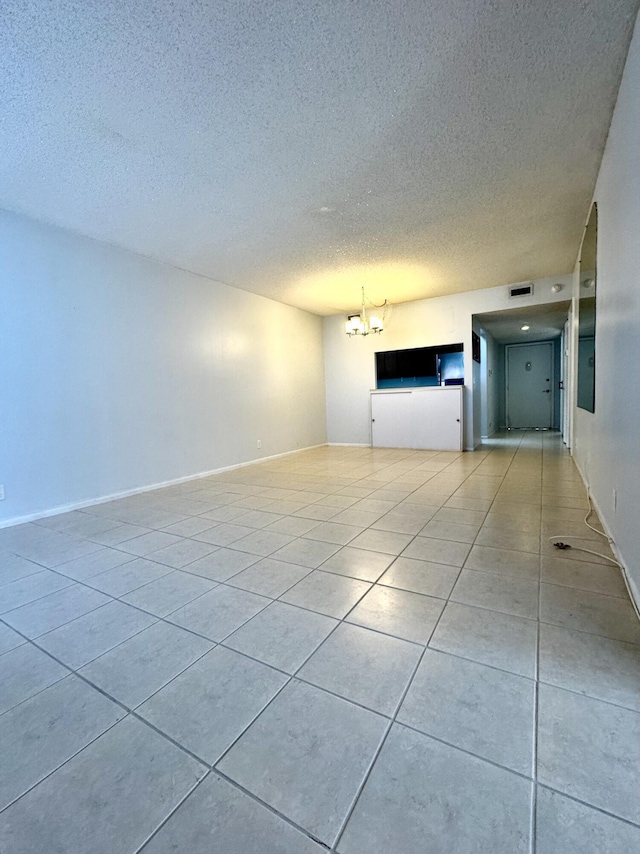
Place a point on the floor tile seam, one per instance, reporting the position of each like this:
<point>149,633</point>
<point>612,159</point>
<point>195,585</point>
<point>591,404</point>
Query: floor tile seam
<point>260,661</point>
<point>64,762</point>
<point>585,696</point>
<point>85,583</point>
<point>546,622</point>
<point>167,617</point>
<point>361,787</point>
<point>42,634</point>
<point>343,622</point>
<point>171,813</point>
<point>606,596</point>
<point>356,603</point>
<point>68,622</point>
<point>183,605</point>
<point>536,725</point>
<point>371,584</point>
<point>627,821</point>
<point>86,538</point>
<point>18,553</point>
<point>44,596</point>
<point>221,774</point>
<point>286,683</point>
<point>346,622</point>
<point>340,622</point>
<point>506,575</point>
<point>220,583</point>
<point>70,672</point>
<point>232,544</point>
<point>40,568</point>
<point>418,593</point>
<point>356,797</point>
<point>456,655</point>
<point>528,777</point>
<point>493,572</point>
<point>147,555</point>
<point>126,539</point>
<point>66,531</point>
<point>80,616</point>
<point>147,723</point>
<point>132,559</point>
<point>11,649</point>
<point>214,548</point>
<point>273,599</point>
<point>130,710</point>
<point>494,610</point>
<point>60,566</point>
<point>111,649</point>
<point>137,714</point>
<point>336,694</point>
<point>520,551</point>
<point>624,598</point>
<point>39,691</point>
<point>341,545</point>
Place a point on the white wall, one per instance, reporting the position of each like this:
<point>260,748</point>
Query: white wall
<point>117,372</point>
<point>350,362</point>
<point>495,383</point>
<point>606,443</point>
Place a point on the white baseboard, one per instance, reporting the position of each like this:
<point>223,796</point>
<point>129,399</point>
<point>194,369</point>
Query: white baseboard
<point>349,444</point>
<point>104,499</point>
<point>631,585</point>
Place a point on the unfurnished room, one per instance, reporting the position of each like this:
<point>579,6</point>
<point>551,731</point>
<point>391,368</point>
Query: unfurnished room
<point>319,406</point>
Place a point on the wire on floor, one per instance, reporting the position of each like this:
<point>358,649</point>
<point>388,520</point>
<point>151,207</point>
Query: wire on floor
<point>563,546</point>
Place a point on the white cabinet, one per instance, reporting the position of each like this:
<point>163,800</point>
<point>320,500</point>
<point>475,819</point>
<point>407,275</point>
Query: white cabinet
<point>425,418</point>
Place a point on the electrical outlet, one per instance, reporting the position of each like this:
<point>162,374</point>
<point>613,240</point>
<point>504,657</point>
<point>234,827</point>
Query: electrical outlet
<point>259,443</point>
<point>1,491</point>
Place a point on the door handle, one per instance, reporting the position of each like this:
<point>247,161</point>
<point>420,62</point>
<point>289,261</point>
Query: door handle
<point>547,391</point>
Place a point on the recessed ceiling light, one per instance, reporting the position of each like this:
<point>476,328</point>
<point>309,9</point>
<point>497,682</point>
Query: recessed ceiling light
<point>524,328</point>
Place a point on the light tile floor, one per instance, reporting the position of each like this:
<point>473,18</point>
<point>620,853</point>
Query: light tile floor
<point>345,649</point>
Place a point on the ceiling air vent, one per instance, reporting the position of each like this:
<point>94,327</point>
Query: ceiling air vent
<point>521,290</point>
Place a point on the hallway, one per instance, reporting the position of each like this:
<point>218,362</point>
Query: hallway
<point>347,649</point>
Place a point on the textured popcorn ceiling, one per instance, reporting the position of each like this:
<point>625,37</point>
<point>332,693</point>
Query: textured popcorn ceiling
<point>544,322</point>
<point>301,149</point>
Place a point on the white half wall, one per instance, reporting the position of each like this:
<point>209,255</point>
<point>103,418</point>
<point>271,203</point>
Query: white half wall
<point>117,372</point>
<point>350,362</point>
<point>606,444</point>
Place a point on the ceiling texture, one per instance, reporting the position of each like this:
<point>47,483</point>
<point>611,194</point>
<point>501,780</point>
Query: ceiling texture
<point>302,150</point>
<point>543,322</point>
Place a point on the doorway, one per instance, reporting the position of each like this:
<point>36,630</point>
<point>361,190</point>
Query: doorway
<point>529,385</point>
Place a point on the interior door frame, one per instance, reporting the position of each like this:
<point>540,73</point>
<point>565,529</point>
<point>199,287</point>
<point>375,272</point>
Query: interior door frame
<point>507,348</point>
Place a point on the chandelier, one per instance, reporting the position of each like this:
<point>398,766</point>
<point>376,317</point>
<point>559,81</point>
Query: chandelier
<point>360,324</point>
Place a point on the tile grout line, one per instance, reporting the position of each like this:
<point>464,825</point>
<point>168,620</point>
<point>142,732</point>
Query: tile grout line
<point>343,620</point>
<point>377,753</point>
<point>171,813</point>
<point>534,791</point>
<point>532,808</point>
<point>62,764</point>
